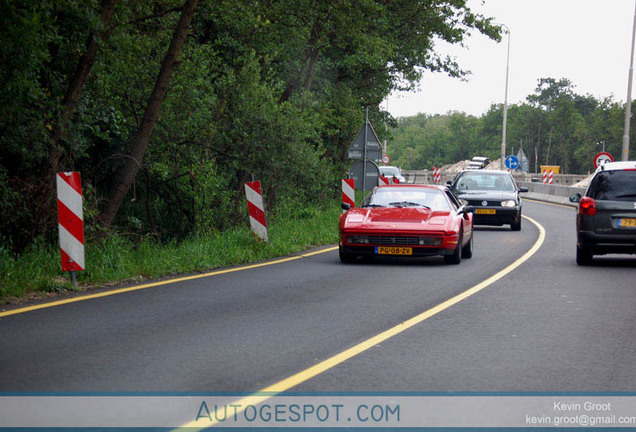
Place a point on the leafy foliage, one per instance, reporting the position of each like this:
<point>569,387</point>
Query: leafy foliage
<point>269,88</point>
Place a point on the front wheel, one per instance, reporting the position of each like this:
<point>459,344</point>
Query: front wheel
<point>456,257</point>
<point>345,257</point>
<point>516,226</point>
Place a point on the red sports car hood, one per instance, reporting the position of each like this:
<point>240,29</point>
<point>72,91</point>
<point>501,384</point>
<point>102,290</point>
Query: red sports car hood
<point>393,217</point>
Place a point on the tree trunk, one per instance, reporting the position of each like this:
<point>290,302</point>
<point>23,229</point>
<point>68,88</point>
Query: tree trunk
<point>76,85</point>
<point>140,142</point>
<point>309,63</point>
<point>311,69</point>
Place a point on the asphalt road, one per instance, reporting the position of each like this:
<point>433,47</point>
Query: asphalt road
<point>546,326</point>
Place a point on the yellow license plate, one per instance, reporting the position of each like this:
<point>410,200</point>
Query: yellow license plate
<point>627,222</point>
<point>392,250</point>
<point>485,211</point>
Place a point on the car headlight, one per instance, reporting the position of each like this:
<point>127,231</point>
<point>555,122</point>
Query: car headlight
<point>358,239</point>
<point>508,203</point>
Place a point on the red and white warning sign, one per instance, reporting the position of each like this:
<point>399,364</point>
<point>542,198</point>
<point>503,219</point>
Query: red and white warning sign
<point>256,209</point>
<point>383,181</point>
<point>71,220</point>
<point>349,192</point>
<point>437,175</point>
<point>548,177</point>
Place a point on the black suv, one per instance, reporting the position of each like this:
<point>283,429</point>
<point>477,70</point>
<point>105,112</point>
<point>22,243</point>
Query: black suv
<point>606,217</point>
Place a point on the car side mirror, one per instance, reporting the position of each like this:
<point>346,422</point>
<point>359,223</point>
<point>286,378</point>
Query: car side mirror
<point>523,189</point>
<point>575,198</point>
<point>346,206</point>
<point>467,209</point>
<point>449,182</point>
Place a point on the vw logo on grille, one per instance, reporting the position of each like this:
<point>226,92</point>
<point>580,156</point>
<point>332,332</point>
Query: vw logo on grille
<point>484,203</point>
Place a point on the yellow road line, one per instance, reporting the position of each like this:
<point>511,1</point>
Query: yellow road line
<point>155,284</point>
<point>345,355</point>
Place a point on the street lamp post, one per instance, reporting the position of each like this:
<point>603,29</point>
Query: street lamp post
<point>505,110</point>
<point>628,103</point>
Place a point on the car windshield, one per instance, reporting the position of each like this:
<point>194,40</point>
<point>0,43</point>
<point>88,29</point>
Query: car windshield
<point>389,171</point>
<point>484,181</point>
<point>407,197</point>
<point>614,186</point>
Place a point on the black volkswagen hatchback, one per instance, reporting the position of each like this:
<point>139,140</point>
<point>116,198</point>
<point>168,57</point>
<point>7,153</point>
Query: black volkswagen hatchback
<point>606,217</point>
<point>494,194</point>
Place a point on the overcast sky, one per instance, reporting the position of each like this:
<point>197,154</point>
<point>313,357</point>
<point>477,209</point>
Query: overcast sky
<point>586,41</point>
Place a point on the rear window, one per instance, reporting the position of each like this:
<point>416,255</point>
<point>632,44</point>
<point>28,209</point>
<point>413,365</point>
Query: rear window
<point>613,186</point>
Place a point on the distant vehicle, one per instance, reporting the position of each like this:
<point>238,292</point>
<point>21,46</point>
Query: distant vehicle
<point>606,217</point>
<point>493,194</point>
<point>407,221</point>
<point>392,171</point>
<point>478,162</point>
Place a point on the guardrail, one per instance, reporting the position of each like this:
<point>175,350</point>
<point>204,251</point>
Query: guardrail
<point>426,177</point>
<point>559,192</point>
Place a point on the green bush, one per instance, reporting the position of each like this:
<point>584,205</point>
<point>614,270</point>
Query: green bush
<point>120,259</point>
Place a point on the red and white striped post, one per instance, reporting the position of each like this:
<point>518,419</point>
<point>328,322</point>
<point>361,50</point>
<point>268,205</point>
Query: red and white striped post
<point>545,177</point>
<point>383,181</point>
<point>550,177</point>
<point>256,209</point>
<point>437,175</point>
<point>70,222</point>
<point>349,192</point>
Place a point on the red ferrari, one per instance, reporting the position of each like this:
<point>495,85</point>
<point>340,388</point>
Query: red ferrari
<point>407,220</point>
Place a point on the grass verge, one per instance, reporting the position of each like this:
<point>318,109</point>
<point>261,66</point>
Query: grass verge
<point>116,259</point>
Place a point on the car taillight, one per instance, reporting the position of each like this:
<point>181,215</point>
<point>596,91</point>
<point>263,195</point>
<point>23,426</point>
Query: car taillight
<point>587,206</point>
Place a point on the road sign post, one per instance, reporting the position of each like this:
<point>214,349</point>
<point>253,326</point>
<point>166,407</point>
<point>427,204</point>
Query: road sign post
<point>364,169</point>
<point>601,158</point>
<point>512,162</point>
<point>366,146</point>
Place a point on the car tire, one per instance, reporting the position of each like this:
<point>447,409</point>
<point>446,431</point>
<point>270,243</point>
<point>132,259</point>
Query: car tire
<point>467,251</point>
<point>516,226</point>
<point>345,257</point>
<point>584,256</point>
<point>456,257</point>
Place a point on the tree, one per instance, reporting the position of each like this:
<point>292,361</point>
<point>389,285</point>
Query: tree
<point>140,142</point>
<point>270,88</point>
<point>77,82</point>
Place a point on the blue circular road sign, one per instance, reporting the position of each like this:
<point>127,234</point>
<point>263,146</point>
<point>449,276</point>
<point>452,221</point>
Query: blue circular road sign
<point>512,162</point>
